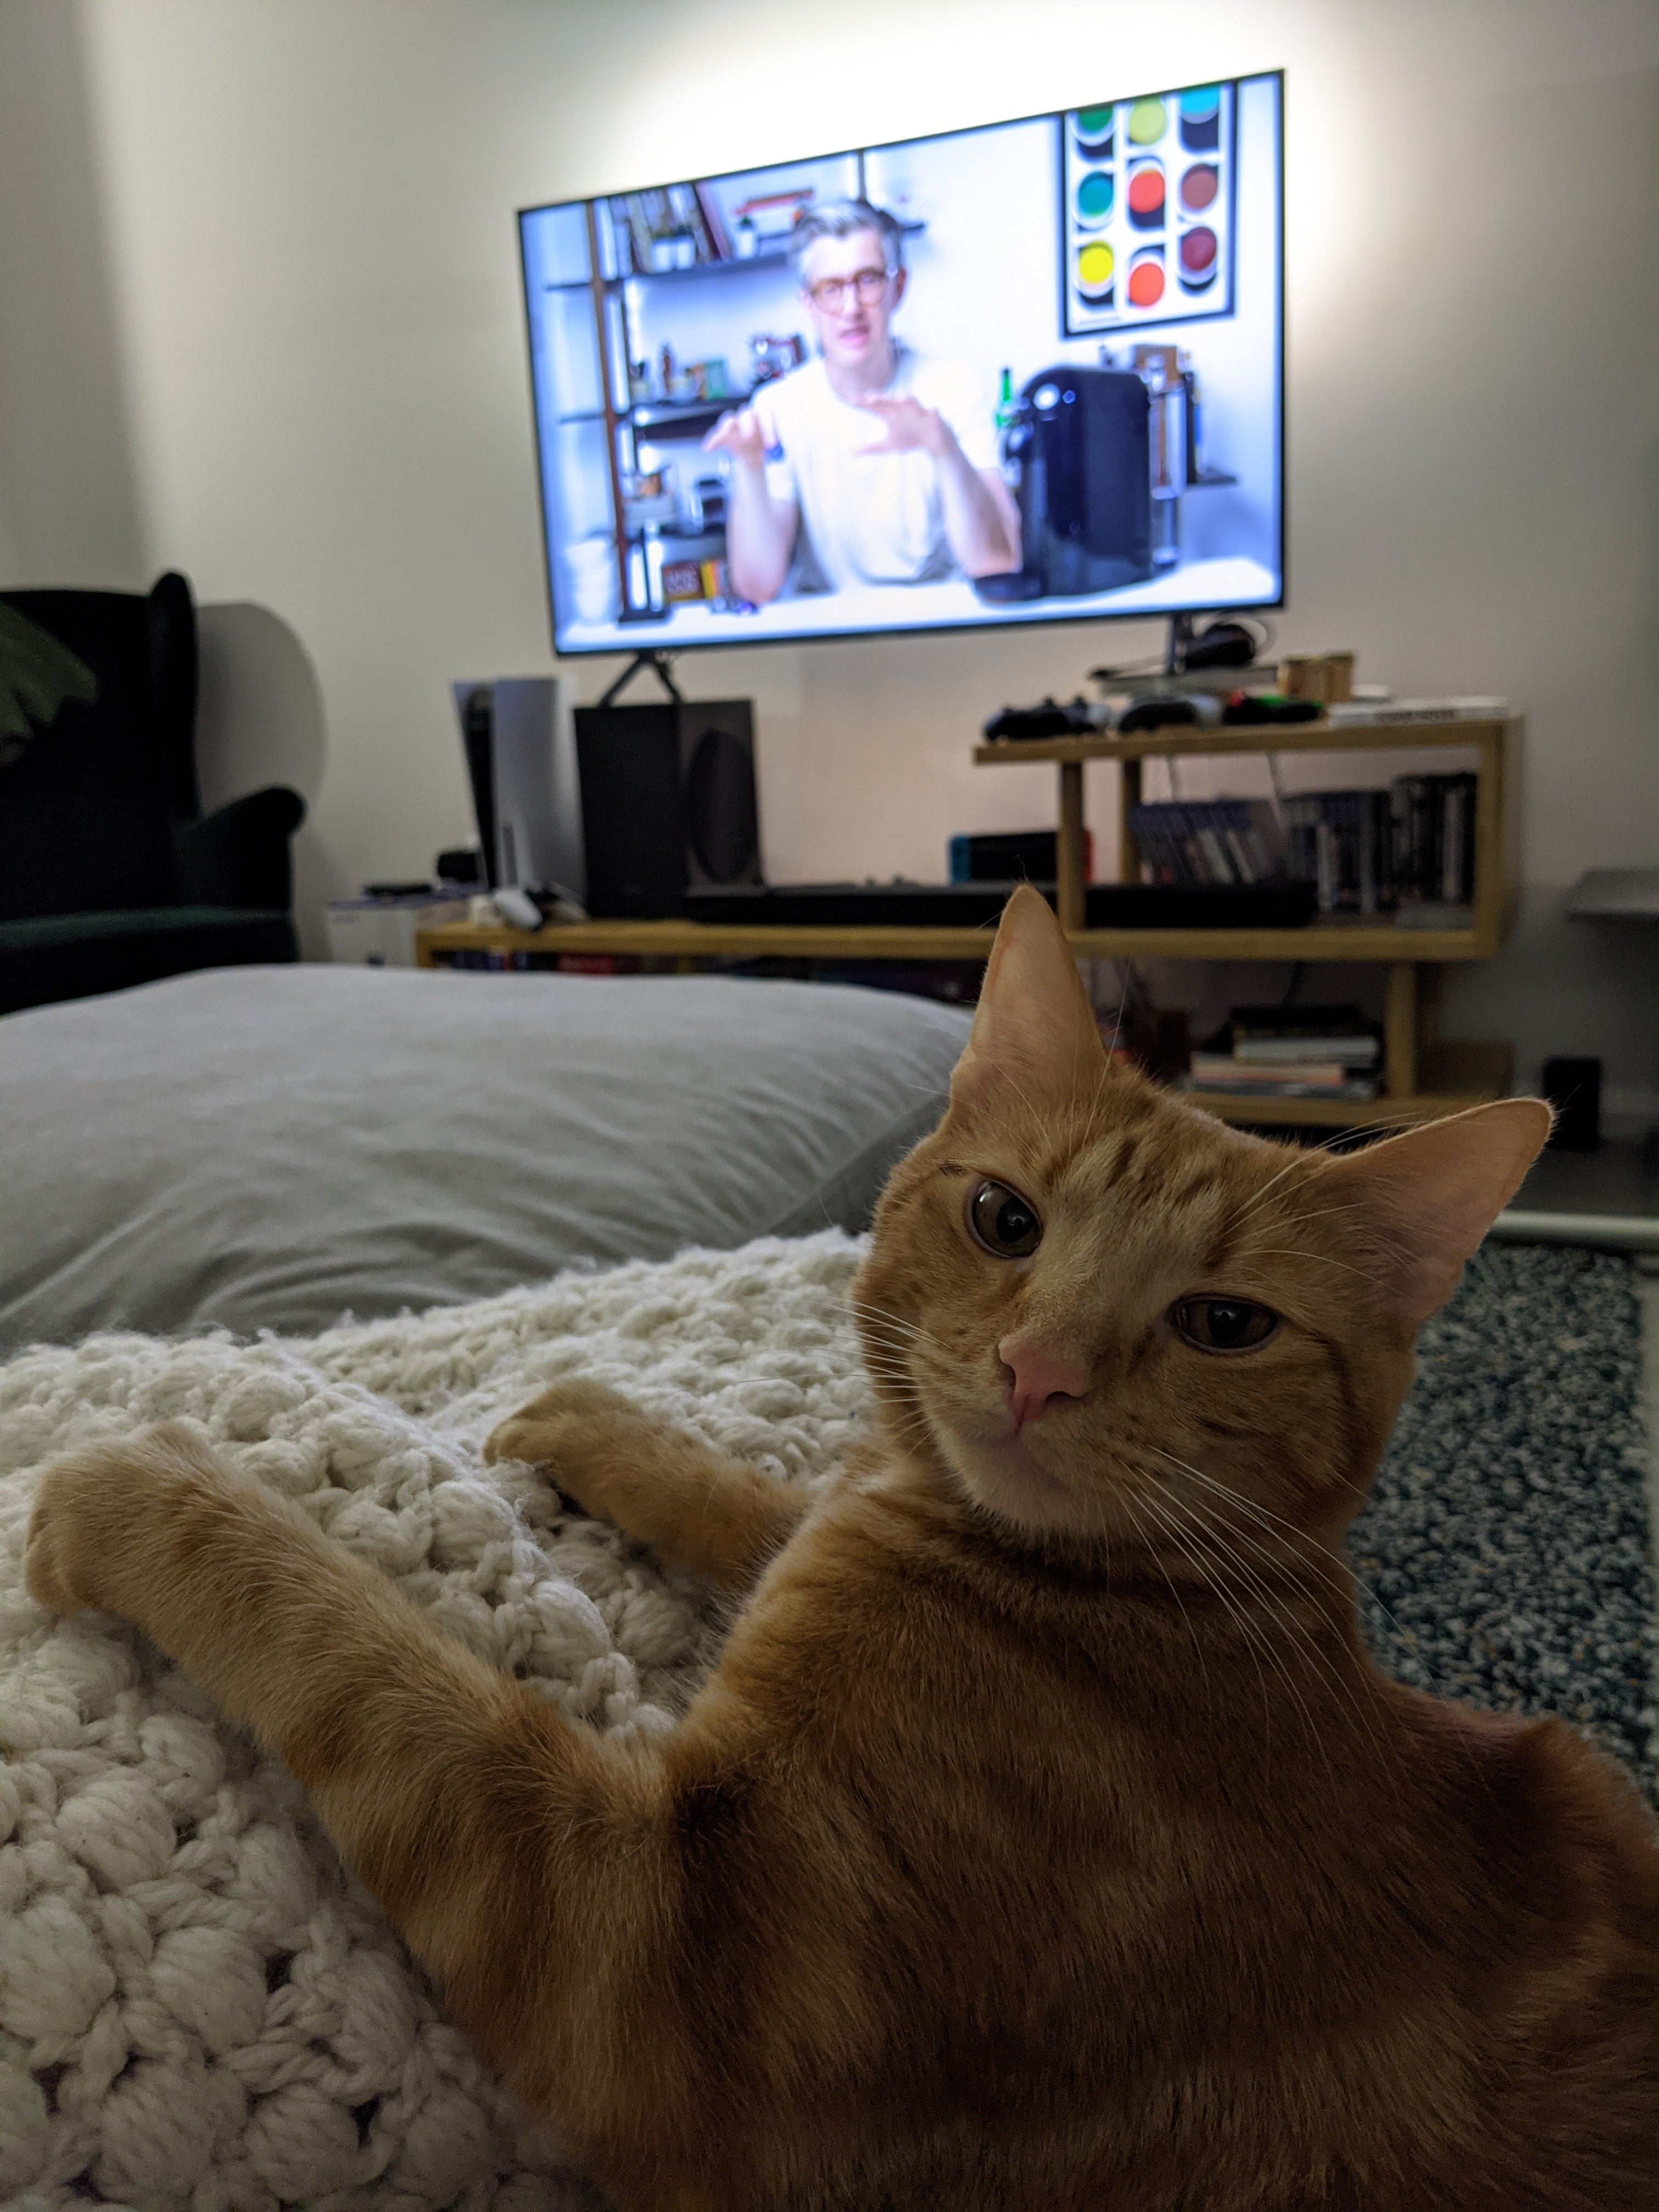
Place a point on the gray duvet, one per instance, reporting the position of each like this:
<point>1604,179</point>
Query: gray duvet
<point>274,1148</point>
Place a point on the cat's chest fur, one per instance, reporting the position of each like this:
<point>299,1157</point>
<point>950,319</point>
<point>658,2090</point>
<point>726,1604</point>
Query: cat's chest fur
<point>1052,1758</point>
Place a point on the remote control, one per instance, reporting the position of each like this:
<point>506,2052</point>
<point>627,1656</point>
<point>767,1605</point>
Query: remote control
<point>517,907</point>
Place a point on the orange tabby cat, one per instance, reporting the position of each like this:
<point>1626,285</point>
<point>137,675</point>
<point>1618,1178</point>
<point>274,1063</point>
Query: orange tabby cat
<point>1044,1838</point>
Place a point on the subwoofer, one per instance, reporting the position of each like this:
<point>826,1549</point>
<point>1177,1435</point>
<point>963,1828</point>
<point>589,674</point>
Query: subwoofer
<point>668,801</point>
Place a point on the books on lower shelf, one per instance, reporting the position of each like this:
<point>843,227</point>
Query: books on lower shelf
<point>1263,1083</point>
<point>1290,1052</point>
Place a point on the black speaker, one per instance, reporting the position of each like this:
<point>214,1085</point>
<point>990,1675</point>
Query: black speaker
<point>668,800</point>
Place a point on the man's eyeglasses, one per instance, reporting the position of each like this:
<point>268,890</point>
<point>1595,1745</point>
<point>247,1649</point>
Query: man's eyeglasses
<point>869,284</point>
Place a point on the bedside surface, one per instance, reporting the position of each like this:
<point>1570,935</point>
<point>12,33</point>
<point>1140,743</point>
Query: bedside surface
<point>1615,895</point>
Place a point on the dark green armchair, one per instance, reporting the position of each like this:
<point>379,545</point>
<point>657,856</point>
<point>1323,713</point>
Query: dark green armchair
<point>110,874</point>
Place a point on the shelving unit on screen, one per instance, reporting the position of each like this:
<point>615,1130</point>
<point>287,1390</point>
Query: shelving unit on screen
<point>1148,191</point>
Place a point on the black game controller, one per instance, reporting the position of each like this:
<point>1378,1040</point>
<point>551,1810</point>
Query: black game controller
<point>1252,709</point>
<point>1156,715</point>
<point>1047,720</point>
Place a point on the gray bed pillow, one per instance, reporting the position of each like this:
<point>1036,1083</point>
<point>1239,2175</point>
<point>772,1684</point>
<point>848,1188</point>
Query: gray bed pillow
<point>272,1147</point>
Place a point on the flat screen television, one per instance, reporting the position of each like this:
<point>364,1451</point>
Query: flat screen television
<point>1031,372</point>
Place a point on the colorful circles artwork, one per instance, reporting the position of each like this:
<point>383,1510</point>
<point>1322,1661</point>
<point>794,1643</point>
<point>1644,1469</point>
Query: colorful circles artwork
<point>1200,118</point>
<point>1096,128</point>
<point>1147,192</point>
<point>1200,257</point>
<point>1097,265</point>
<point>1095,198</point>
<point>1146,285</point>
<point>1146,195</point>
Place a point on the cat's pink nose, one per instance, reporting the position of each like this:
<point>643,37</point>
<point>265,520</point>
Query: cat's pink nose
<point>1038,1379</point>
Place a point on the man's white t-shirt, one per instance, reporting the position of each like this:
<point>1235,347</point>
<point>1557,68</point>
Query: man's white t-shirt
<point>869,518</point>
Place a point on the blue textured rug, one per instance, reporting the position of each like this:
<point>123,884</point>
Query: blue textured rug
<point>1508,1533</point>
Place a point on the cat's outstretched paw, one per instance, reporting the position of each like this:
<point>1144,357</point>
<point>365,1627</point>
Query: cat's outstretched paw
<point>696,1507</point>
<point>96,1512</point>
<point>575,1433</point>
<point>49,1554</point>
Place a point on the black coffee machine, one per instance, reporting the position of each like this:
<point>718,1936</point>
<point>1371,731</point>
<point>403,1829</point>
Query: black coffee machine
<point>1078,455</point>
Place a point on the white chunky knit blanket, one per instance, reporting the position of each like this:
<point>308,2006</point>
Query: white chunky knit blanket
<point>197,2008</point>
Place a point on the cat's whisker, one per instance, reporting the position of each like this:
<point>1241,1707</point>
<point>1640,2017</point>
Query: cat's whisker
<point>1313,1259</point>
<point>882,1316</point>
<point>894,1390</point>
<point>1343,1584</point>
<point>1257,1586</point>
<point>885,1333</point>
<point>1350,1579</point>
<point>899,1347</point>
<point>892,1368</point>
<point>1207,1579</point>
<point>1128,1506</point>
<point>1297,1159</point>
<point>1031,1154</point>
<point>1281,1606</point>
<point>1287,1222</point>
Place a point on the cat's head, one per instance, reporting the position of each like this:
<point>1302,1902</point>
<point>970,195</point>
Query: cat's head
<point>1090,1303</point>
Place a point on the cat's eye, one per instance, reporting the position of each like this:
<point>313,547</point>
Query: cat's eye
<point>1003,1221</point>
<point>1222,1324</point>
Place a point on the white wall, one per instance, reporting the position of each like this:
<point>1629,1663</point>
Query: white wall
<point>307,206</point>
<point>68,508</point>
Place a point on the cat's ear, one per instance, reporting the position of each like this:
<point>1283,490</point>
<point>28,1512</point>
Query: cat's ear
<point>1422,1202</point>
<point>1034,1029</point>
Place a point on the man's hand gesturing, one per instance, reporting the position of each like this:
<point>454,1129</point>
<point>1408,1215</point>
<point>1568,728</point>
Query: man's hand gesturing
<point>742,435</point>
<point>910,428</point>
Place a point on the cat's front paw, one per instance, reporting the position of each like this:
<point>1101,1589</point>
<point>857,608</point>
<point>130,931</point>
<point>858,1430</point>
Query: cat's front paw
<point>96,1511</point>
<point>573,1433</point>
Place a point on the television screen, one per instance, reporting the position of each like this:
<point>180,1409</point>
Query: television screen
<point>1025,372</point>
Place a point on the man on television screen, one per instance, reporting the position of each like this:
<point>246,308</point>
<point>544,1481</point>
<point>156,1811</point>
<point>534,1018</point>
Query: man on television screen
<point>873,465</point>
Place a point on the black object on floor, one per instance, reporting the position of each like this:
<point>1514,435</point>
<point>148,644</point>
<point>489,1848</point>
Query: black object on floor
<point>1507,1535</point>
<point>1573,1087</point>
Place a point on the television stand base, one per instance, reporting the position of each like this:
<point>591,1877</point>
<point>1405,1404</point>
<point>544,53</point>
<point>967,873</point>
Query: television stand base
<point>659,665</point>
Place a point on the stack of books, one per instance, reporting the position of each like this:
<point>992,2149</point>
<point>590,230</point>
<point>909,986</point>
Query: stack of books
<point>1408,849</point>
<point>1290,1052</point>
<point>1212,841</point>
<point>1387,852</point>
